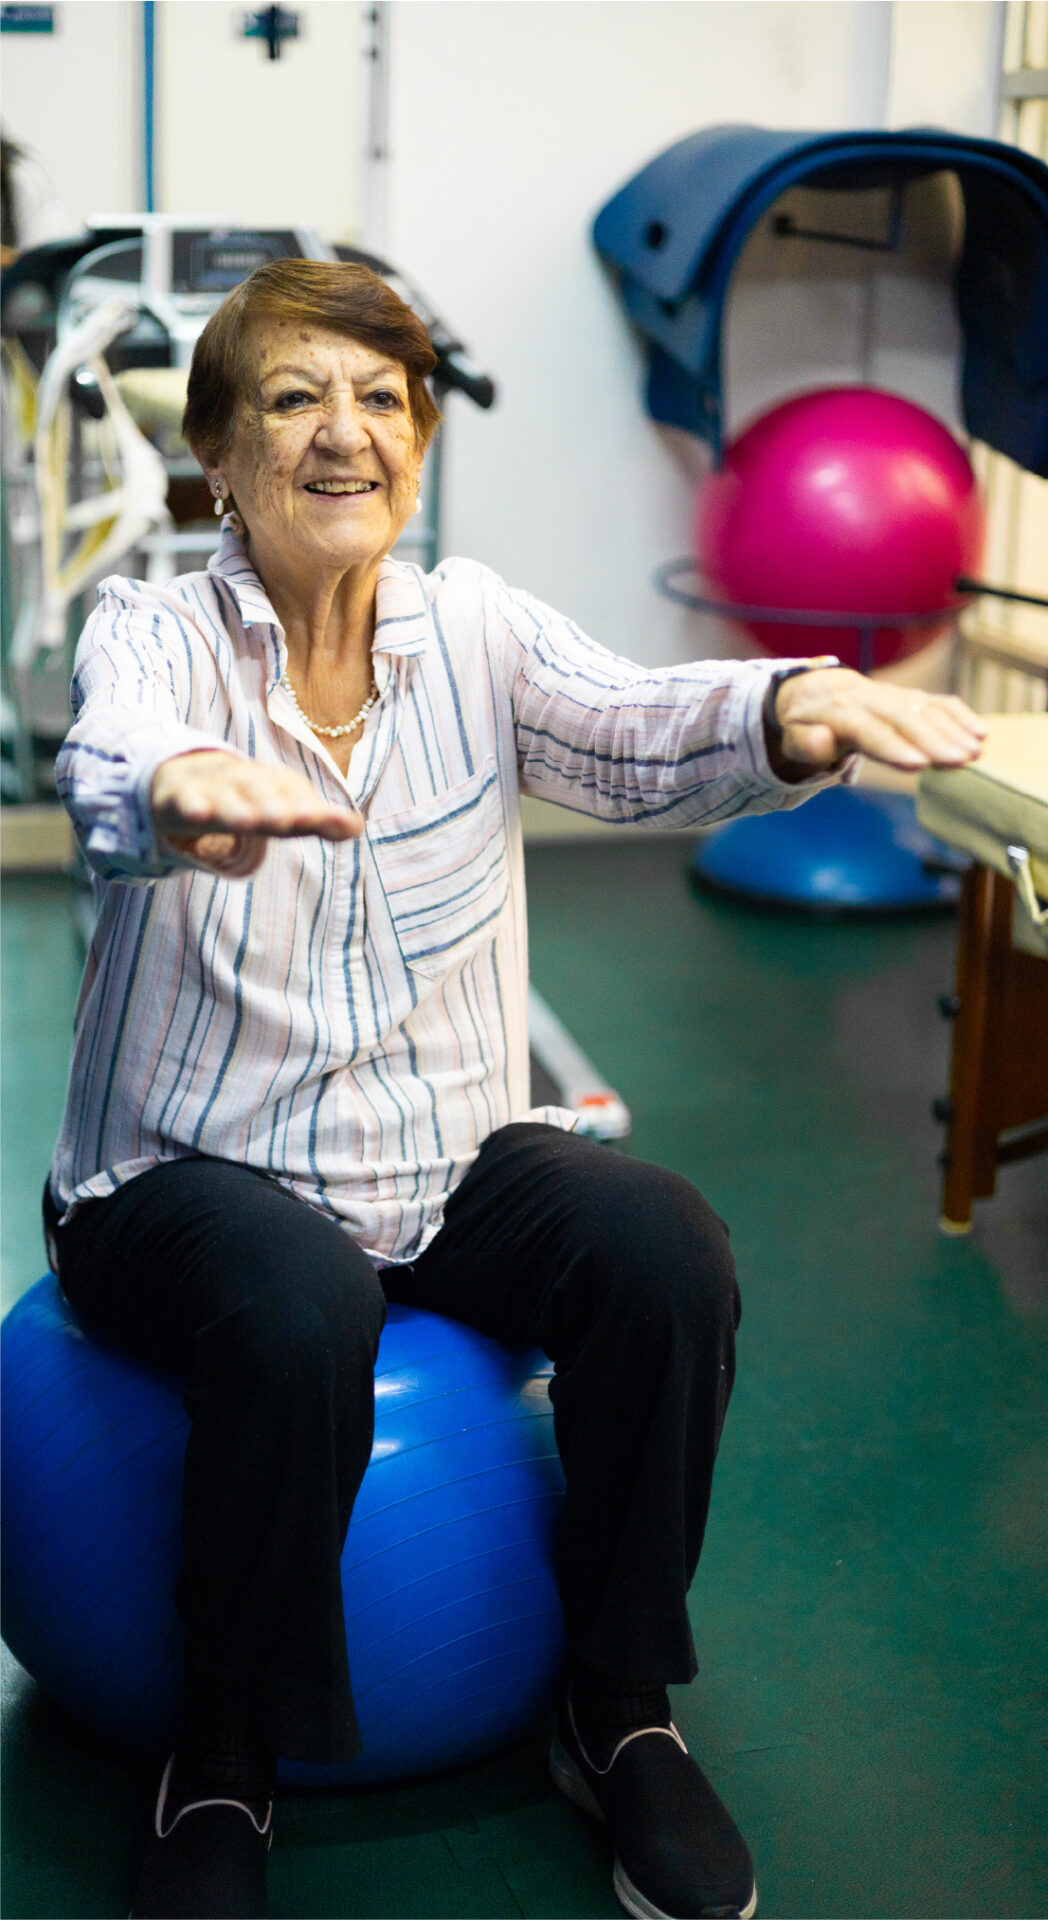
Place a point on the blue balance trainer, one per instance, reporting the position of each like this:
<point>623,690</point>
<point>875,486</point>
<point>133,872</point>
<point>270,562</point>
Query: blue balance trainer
<point>452,1615</point>
<point>843,851</point>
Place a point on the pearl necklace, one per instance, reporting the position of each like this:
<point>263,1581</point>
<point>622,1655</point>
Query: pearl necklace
<point>330,733</point>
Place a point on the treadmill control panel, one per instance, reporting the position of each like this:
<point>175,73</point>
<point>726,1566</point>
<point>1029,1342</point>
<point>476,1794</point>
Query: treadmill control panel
<point>212,261</point>
<point>177,272</point>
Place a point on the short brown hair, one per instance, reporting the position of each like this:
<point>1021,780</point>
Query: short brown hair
<point>344,298</point>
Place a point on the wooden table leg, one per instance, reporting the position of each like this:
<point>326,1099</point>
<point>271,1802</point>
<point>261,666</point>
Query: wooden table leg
<point>984,935</point>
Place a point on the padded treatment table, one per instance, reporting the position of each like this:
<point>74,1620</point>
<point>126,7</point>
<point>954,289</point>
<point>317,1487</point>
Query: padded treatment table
<point>997,810</point>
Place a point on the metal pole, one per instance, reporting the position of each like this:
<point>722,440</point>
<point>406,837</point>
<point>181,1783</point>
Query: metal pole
<point>149,104</point>
<point>376,22</point>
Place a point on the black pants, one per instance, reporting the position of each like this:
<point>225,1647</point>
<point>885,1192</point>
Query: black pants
<point>618,1270</point>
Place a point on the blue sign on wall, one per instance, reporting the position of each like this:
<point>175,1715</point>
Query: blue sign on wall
<point>27,19</point>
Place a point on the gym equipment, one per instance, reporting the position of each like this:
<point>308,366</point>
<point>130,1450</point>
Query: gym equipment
<point>673,235</point>
<point>98,474</point>
<point>846,500</point>
<point>140,291</point>
<point>128,509</point>
<point>843,851</point>
<point>563,1076</point>
<point>452,1615</point>
<point>672,238</point>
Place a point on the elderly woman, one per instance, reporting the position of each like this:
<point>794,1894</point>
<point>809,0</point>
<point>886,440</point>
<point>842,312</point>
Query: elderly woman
<point>300,1079</point>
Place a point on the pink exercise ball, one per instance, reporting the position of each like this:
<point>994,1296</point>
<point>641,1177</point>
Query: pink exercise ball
<point>847,498</point>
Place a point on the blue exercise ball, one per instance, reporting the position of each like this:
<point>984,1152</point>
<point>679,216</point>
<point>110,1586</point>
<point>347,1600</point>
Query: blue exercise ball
<point>452,1615</point>
<point>846,850</point>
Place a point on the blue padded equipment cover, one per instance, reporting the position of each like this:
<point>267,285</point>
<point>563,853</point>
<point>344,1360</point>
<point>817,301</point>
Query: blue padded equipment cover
<point>674,233</point>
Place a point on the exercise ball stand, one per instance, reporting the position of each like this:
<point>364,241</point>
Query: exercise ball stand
<point>848,850</point>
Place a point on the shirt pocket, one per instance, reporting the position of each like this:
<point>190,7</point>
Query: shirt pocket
<point>444,871</point>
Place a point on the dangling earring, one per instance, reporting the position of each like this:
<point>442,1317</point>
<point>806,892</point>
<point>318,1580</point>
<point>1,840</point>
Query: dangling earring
<point>417,508</point>
<point>219,502</point>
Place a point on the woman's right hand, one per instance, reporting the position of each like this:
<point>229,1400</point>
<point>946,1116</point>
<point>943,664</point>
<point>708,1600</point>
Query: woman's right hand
<point>222,810</point>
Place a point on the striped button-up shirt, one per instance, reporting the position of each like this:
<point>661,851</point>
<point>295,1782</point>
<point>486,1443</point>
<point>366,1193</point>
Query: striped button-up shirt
<point>353,1018</point>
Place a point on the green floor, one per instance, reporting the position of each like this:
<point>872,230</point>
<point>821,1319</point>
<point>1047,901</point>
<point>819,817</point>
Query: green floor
<point>871,1607</point>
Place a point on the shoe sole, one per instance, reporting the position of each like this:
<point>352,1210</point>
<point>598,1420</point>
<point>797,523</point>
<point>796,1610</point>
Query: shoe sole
<point>565,1775</point>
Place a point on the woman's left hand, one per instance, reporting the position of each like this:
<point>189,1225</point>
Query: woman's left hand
<point>832,711</point>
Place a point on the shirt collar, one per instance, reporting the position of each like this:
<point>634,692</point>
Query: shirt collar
<point>403,615</point>
<point>403,612</point>
<point>231,564</point>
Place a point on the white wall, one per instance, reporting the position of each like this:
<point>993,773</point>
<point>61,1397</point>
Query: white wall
<point>274,142</point>
<point>73,97</point>
<point>945,64</point>
<point>510,126</point>
<point>237,134</point>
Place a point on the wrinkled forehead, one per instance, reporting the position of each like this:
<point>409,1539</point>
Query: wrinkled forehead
<point>272,347</point>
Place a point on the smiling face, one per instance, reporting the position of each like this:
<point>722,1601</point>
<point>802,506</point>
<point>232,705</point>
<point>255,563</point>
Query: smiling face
<point>324,462</point>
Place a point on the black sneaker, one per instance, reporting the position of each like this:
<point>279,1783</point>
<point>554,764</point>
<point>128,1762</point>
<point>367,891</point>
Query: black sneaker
<point>678,1853</point>
<point>208,1862</point>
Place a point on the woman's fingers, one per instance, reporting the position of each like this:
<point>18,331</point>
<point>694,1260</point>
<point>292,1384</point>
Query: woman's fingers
<point>281,802</point>
<point>215,792</point>
<point>920,729</point>
<point>833,711</point>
